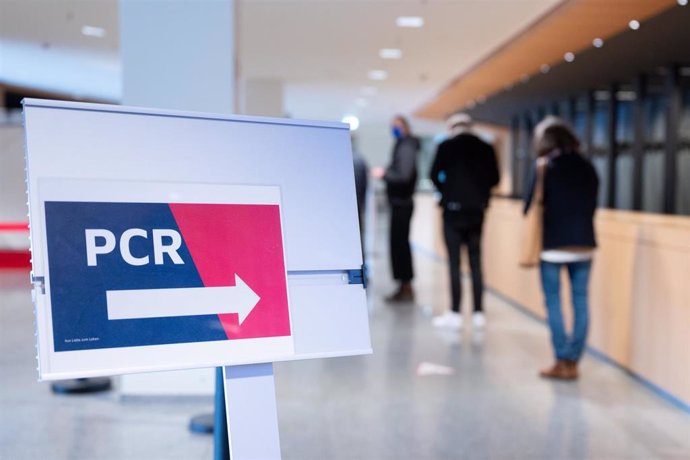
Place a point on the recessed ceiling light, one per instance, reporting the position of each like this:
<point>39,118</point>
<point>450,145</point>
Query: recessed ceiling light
<point>351,120</point>
<point>369,90</point>
<point>390,53</point>
<point>410,21</point>
<point>598,42</point>
<point>682,2</point>
<point>378,74</point>
<point>545,68</point>
<point>634,24</point>
<point>569,57</point>
<point>92,31</point>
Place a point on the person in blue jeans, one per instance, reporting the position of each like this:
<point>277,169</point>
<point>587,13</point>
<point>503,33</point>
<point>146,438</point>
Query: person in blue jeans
<point>570,187</point>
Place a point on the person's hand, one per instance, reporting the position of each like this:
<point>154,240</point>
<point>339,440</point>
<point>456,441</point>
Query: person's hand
<point>378,172</point>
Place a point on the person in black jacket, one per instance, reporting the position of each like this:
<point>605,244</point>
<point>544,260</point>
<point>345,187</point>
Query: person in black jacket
<point>401,181</point>
<point>361,170</point>
<point>464,171</point>
<point>569,201</point>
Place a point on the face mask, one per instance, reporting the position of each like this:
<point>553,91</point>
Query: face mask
<point>397,132</point>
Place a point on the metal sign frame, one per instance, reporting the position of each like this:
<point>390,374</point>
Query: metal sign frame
<point>89,152</point>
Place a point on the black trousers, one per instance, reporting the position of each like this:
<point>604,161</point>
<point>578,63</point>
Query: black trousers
<point>401,253</point>
<point>464,228</point>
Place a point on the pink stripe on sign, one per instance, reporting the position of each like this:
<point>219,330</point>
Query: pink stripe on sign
<point>229,239</point>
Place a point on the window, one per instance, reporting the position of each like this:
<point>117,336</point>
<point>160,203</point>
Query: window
<point>655,109</point>
<point>525,154</point>
<point>580,121</point>
<point>625,137</point>
<point>683,159</point>
<point>425,160</point>
<point>624,133</point>
<point>565,111</point>
<point>517,163</point>
<point>600,149</point>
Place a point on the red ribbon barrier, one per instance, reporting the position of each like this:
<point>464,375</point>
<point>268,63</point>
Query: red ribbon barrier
<point>14,226</point>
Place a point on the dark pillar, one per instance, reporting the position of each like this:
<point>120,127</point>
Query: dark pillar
<point>674,96</point>
<point>613,145</point>
<point>572,110</point>
<point>589,125</point>
<point>515,154</point>
<point>639,140</point>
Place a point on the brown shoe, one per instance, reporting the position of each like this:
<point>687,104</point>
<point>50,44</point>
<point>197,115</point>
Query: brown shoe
<point>562,370</point>
<point>403,294</point>
<point>571,369</point>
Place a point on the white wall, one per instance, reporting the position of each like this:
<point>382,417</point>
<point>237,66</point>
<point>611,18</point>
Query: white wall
<point>375,142</point>
<point>12,178</point>
<point>263,97</point>
<point>12,184</point>
<point>178,54</point>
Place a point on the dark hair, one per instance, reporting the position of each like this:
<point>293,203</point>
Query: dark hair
<point>557,137</point>
<point>403,121</point>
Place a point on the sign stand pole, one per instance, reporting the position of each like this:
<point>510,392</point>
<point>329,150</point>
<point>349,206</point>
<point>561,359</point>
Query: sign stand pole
<point>219,426</point>
<point>252,415</point>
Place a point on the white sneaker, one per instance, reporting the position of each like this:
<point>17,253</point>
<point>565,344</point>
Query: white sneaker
<point>449,319</point>
<point>478,320</point>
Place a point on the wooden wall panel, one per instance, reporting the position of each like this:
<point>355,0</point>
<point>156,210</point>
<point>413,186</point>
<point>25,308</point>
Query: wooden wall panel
<point>639,291</point>
<point>571,26</point>
<point>660,313</point>
<point>501,255</point>
<point>611,298</point>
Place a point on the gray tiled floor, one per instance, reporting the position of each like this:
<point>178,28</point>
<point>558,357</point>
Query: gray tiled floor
<point>375,407</point>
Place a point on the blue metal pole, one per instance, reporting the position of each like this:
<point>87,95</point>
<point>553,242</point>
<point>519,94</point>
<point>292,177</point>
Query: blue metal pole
<point>221,444</point>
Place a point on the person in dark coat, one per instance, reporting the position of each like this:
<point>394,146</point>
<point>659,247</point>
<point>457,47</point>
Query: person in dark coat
<point>361,170</point>
<point>569,202</point>
<point>401,181</point>
<point>464,172</point>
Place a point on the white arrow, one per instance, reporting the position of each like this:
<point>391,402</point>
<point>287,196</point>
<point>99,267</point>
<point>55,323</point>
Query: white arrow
<point>162,303</point>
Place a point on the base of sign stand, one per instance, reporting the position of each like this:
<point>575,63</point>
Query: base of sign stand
<point>205,423</point>
<point>252,415</point>
<point>80,386</point>
<point>202,424</point>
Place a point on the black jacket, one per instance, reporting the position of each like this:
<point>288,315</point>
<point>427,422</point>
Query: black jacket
<point>470,169</point>
<point>401,175</point>
<point>570,199</point>
<point>361,179</point>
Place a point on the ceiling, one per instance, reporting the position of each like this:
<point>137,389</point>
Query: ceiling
<point>321,50</point>
<point>59,23</point>
<point>42,47</point>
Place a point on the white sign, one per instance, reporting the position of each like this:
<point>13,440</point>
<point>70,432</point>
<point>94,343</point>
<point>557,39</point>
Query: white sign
<point>166,240</point>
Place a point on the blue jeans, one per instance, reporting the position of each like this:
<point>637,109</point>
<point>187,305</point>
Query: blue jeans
<point>567,347</point>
